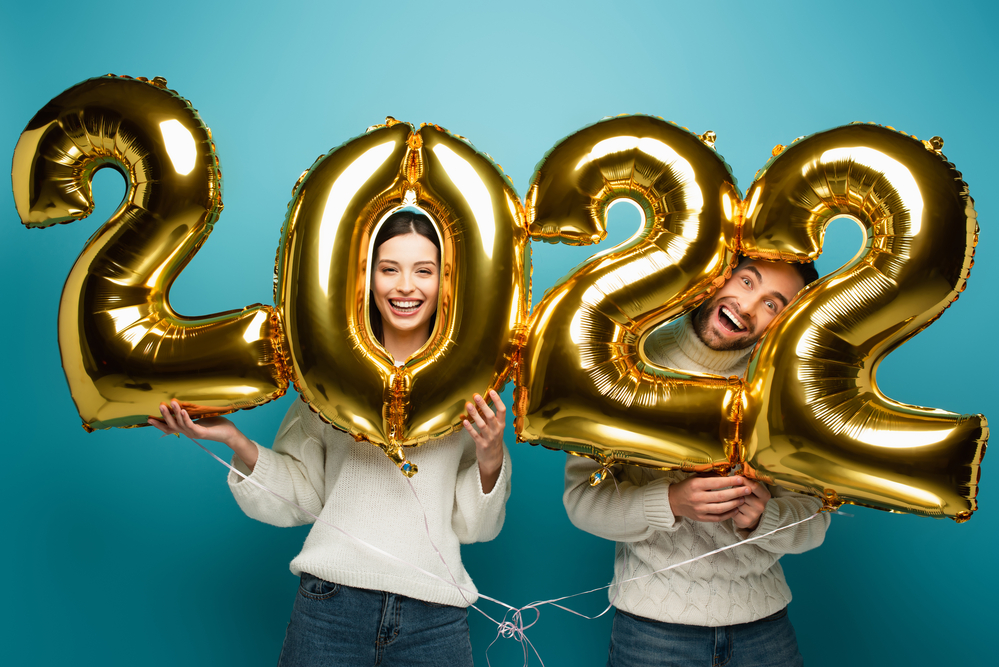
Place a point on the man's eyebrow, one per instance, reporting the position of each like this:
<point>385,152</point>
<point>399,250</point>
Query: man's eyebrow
<point>759,279</point>
<point>756,272</point>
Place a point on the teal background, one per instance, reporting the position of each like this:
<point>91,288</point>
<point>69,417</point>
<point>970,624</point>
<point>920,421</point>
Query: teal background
<point>121,548</point>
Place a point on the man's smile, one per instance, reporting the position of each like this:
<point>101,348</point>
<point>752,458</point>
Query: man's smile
<point>730,321</point>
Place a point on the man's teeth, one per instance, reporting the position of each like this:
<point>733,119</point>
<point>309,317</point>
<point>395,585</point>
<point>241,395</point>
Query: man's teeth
<point>727,313</point>
<point>405,306</point>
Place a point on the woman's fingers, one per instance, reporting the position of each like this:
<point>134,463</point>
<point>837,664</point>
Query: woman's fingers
<point>484,409</point>
<point>159,425</point>
<point>489,422</point>
<point>474,416</point>
<point>187,422</point>
<point>168,417</point>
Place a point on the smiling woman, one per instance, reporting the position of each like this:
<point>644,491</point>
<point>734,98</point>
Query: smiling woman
<point>405,282</point>
<point>348,484</point>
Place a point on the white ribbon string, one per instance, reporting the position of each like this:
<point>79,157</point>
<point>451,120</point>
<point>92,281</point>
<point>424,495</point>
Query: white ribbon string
<point>512,626</point>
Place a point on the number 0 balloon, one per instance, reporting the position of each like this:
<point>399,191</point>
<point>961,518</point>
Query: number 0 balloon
<point>322,284</point>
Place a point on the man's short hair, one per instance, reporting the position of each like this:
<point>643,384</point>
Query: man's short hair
<point>807,271</point>
<point>809,274</point>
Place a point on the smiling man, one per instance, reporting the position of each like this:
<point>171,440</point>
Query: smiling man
<point>728,608</point>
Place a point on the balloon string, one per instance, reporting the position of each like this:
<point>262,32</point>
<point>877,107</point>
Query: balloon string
<point>719,550</point>
<point>512,626</point>
<point>344,532</point>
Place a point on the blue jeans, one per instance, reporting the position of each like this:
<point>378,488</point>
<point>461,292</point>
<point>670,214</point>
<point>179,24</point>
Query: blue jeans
<point>642,642</point>
<point>332,624</point>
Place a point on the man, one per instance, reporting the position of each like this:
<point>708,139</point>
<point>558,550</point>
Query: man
<point>728,608</point>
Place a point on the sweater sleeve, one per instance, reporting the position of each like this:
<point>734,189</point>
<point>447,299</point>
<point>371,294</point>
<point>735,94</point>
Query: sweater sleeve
<point>478,516</point>
<point>623,511</point>
<point>294,469</point>
<point>784,508</point>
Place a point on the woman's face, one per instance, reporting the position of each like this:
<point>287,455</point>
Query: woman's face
<point>405,283</point>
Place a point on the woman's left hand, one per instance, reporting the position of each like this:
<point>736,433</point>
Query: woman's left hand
<point>488,436</point>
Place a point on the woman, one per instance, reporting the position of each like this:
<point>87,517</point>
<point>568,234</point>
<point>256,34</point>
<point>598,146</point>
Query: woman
<point>356,606</point>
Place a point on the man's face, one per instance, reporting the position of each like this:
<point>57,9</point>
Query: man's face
<point>740,311</point>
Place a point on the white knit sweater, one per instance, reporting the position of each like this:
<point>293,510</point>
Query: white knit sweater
<point>736,586</point>
<point>354,486</point>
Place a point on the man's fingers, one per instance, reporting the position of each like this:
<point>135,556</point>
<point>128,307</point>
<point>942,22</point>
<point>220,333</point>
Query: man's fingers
<point>715,509</point>
<point>722,495</point>
<point>713,483</point>
<point>719,517</point>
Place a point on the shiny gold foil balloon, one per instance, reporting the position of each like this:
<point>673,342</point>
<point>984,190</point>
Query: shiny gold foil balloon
<point>124,349</point>
<point>585,385</point>
<point>323,278</point>
<point>814,418</point>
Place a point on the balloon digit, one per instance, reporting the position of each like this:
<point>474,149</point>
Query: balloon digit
<point>585,385</point>
<point>322,289</point>
<point>124,349</point>
<point>814,417</point>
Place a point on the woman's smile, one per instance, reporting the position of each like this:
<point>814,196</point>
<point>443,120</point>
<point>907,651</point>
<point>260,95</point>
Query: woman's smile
<point>405,307</point>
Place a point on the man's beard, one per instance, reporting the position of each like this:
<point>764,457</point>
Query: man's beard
<point>701,320</point>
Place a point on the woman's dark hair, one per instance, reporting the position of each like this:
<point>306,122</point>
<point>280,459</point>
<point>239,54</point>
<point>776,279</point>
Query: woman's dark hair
<point>399,223</point>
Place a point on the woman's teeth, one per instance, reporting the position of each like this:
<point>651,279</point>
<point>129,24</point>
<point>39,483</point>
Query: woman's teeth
<point>731,318</point>
<point>406,306</point>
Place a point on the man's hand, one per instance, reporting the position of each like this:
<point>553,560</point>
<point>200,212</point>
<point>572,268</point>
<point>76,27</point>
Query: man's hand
<point>715,499</point>
<point>748,515</point>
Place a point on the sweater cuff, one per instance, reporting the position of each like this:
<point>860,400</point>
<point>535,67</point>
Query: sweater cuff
<point>238,484</point>
<point>769,520</point>
<point>658,512</point>
<point>501,479</point>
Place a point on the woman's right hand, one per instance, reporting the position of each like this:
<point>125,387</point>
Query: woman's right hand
<point>218,429</point>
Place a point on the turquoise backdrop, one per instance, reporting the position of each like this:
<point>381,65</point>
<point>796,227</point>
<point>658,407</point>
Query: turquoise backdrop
<point>122,548</point>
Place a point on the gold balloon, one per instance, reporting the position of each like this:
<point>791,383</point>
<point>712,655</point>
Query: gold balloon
<point>814,419</point>
<point>322,284</point>
<point>124,349</point>
<point>585,385</point>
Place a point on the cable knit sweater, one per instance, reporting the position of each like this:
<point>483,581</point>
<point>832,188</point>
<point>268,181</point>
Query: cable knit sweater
<point>736,586</point>
<point>354,486</point>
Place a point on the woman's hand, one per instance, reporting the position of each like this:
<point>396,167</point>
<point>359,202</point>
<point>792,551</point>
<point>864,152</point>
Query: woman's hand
<point>218,429</point>
<point>488,437</point>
